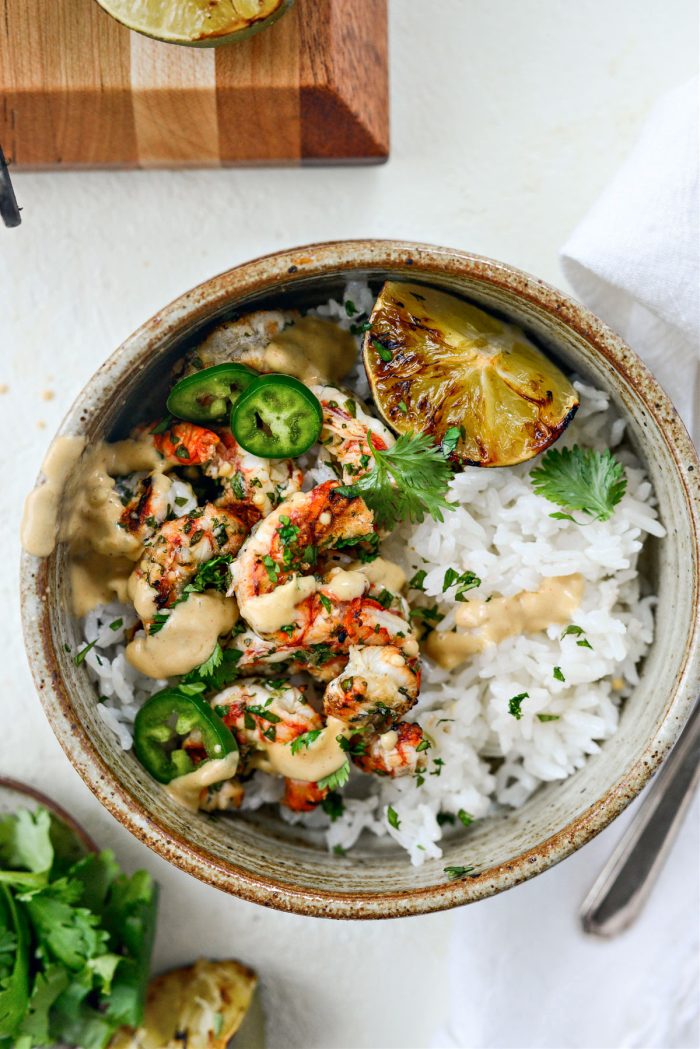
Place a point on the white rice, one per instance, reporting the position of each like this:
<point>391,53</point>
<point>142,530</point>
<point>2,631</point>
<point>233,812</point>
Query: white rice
<point>503,532</point>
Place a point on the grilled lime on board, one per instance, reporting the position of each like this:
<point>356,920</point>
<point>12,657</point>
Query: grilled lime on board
<point>440,366</point>
<point>197,23</point>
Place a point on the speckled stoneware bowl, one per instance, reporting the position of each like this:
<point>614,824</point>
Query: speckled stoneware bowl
<point>258,856</point>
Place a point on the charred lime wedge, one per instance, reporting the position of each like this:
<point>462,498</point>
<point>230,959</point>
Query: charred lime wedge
<point>440,366</point>
<point>199,23</point>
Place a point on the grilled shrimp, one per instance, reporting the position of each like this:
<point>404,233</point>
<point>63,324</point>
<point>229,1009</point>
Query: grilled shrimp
<point>326,627</point>
<point>146,504</point>
<point>300,796</point>
<point>376,686</point>
<point>270,576</point>
<point>260,712</point>
<point>251,485</point>
<point>171,558</point>
<point>185,444</point>
<point>347,430</point>
<point>402,751</point>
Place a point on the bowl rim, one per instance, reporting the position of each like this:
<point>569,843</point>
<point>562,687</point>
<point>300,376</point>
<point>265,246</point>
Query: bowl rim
<point>270,273</point>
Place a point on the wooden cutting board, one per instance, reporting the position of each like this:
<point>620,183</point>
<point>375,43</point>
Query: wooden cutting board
<point>79,90</point>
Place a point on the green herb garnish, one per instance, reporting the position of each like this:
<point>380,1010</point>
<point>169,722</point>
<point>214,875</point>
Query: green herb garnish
<point>515,704</point>
<point>393,817</point>
<point>336,779</point>
<point>558,675</point>
<point>455,873</point>
<point>79,657</point>
<point>581,479</point>
<point>158,622</point>
<point>464,581</point>
<point>407,481</point>
<point>304,740</point>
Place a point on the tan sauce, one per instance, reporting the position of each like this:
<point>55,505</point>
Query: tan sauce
<point>94,507</point>
<point>142,596</point>
<point>187,789</point>
<point>267,613</point>
<point>312,763</point>
<point>188,637</point>
<point>345,585</point>
<point>381,572</point>
<point>39,529</point>
<point>313,349</point>
<point>483,623</point>
<point>97,580</point>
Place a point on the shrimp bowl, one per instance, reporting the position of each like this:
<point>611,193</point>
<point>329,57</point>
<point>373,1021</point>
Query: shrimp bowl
<point>362,580</point>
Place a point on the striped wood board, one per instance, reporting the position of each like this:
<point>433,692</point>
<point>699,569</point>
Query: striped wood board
<point>79,90</point>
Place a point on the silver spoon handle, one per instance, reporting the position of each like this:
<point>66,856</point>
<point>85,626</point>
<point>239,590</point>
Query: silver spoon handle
<point>624,883</point>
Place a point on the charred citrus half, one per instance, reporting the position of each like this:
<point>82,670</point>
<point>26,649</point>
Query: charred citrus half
<point>441,366</point>
<point>198,23</point>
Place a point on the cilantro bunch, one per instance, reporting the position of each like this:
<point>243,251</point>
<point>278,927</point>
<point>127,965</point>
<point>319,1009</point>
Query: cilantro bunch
<point>75,937</point>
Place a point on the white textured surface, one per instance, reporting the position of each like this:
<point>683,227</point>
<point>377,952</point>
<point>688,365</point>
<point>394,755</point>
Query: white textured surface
<point>508,120</point>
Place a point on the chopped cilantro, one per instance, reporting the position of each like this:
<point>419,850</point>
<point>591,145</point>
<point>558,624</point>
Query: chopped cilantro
<point>393,817</point>
<point>515,704</point>
<point>455,873</point>
<point>336,779</point>
<point>79,657</point>
<point>304,740</point>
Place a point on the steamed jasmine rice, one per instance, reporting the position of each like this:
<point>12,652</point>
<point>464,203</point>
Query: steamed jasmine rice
<point>485,752</point>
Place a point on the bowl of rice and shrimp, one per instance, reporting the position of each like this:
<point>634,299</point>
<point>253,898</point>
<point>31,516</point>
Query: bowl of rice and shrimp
<point>364,579</point>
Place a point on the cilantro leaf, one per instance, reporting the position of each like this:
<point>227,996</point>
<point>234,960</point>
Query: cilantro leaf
<point>455,873</point>
<point>304,740</point>
<point>581,479</point>
<point>336,779</point>
<point>515,704</point>
<point>392,817</point>
<point>407,481</point>
<point>333,805</point>
<point>25,841</point>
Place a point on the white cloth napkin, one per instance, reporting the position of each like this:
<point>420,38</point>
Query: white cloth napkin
<point>634,260</point>
<point>522,973</point>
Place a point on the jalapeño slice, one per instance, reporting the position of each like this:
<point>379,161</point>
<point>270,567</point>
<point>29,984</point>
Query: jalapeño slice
<point>207,395</point>
<point>277,417</point>
<point>164,721</point>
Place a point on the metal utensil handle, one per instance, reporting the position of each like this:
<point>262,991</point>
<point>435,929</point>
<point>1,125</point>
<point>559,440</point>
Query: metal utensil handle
<point>622,887</point>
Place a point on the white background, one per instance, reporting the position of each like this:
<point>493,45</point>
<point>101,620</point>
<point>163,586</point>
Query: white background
<point>508,118</point>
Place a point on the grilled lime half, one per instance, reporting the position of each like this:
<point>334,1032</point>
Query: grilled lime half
<point>198,23</point>
<point>438,365</point>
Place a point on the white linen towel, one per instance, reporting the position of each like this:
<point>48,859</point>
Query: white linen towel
<point>522,973</point>
<point>634,258</point>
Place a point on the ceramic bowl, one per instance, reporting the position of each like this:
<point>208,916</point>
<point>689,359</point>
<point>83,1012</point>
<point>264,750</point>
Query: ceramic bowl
<point>258,856</point>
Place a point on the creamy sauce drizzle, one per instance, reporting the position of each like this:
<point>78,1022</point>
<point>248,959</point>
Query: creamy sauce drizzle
<point>97,580</point>
<point>313,349</point>
<point>187,638</point>
<point>345,585</point>
<point>187,789</point>
<point>99,549</point>
<point>266,613</point>
<point>382,573</point>
<point>312,763</point>
<point>39,528</point>
<point>94,508</point>
<point>482,623</point>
